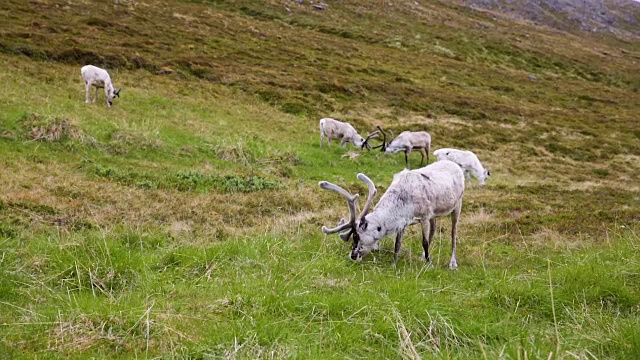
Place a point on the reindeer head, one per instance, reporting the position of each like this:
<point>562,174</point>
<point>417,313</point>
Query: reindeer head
<point>393,147</point>
<point>359,141</point>
<point>366,232</point>
<point>112,95</point>
<point>485,174</point>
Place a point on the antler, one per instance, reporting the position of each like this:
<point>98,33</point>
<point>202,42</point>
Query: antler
<point>372,135</point>
<point>391,132</point>
<point>351,201</point>
<point>383,146</point>
<point>342,225</point>
<point>372,194</point>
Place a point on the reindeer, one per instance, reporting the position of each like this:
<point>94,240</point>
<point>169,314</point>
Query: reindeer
<point>410,140</point>
<point>99,78</point>
<point>422,195</point>
<point>335,129</point>
<point>467,160</point>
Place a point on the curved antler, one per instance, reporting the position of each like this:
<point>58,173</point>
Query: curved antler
<point>342,225</point>
<point>372,135</point>
<point>384,144</point>
<point>390,132</point>
<point>351,201</point>
<point>382,147</point>
<point>345,236</point>
<point>372,194</point>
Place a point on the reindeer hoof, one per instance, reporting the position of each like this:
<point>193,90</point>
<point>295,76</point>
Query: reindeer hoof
<point>453,265</point>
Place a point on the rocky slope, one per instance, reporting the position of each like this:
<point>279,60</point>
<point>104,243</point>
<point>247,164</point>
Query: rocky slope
<point>618,17</point>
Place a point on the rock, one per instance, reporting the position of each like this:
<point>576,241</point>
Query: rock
<point>165,70</point>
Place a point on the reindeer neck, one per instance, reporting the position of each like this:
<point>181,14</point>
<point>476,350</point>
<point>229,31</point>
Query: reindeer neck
<point>394,210</point>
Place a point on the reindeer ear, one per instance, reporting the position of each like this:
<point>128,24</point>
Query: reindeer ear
<point>363,224</point>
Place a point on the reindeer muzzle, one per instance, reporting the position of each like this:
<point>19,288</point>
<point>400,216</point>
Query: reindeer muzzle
<point>355,255</point>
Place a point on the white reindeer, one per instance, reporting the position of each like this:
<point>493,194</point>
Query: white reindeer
<point>467,160</point>
<point>410,140</point>
<point>99,78</point>
<point>422,194</point>
<point>334,129</point>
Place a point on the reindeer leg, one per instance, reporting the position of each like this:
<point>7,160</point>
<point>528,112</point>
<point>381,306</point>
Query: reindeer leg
<point>396,250</point>
<point>96,97</point>
<point>321,138</point>
<point>87,87</point>
<point>428,229</point>
<point>455,215</point>
<point>406,158</point>
<point>432,229</point>
<point>421,156</point>
<point>424,152</point>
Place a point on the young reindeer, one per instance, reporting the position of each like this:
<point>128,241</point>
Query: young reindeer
<point>99,78</point>
<point>422,194</point>
<point>467,160</point>
<point>334,129</point>
<point>410,140</point>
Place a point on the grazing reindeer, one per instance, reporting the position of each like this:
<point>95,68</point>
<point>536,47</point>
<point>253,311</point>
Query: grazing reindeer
<point>467,160</point>
<point>411,140</point>
<point>334,129</point>
<point>99,78</point>
<point>422,194</point>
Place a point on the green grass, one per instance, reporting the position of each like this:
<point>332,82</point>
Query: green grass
<point>185,221</point>
<point>133,291</point>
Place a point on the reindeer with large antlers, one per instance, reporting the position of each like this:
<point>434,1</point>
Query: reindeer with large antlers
<point>410,140</point>
<point>422,194</point>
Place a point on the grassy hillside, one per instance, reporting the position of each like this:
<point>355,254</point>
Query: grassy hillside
<point>184,222</point>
